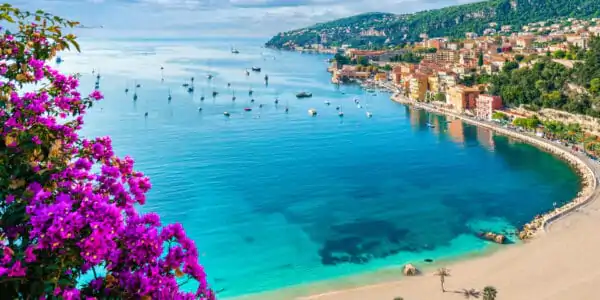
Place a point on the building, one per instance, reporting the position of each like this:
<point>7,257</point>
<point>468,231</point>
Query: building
<point>469,45</point>
<point>471,35</point>
<point>525,42</point>
<point>407,68</point>
<point>418,87</point>
<point>381,76</point>
<point>463,98</point>
<point>433,83</point>
<point>397,74</point>
<point>485,106</point>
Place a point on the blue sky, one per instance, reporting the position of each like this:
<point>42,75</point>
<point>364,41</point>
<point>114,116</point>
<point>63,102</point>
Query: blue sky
<point>216,17</point>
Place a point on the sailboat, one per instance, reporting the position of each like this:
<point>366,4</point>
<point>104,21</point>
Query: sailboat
<point>234,51</point>
<point>341,112</point>
<point>135,96</point>
<point>233,96</point>
<point>170,97</point>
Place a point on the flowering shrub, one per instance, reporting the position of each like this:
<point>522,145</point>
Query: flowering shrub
<point>61,222</point>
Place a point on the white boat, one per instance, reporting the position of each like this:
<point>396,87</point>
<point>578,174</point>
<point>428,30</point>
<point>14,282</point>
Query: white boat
<point>312,112</point>
<point>327,103</point>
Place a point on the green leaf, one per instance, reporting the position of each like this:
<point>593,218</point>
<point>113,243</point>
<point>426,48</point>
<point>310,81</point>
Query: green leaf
<point>64,282</point>
<point>8,18</point>
<point>36,288</point>
<point>76,45</point>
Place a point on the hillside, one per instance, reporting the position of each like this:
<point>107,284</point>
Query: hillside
<point>380,29</point>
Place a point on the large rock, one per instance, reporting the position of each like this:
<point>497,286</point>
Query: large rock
<point>500,239</point>
<point>410,270</point>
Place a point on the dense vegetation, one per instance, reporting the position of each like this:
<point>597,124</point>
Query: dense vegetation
<point>69,221</point>
<point>547,84</point>
<point>452,21</point>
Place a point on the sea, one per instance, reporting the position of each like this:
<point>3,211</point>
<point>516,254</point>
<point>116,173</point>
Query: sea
<point>275,197</point>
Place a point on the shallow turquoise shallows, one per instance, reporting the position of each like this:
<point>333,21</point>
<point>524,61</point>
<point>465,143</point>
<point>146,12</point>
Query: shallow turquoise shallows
<point>276,199</point>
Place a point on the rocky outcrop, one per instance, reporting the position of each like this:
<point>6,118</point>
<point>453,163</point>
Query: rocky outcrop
<point>493,237</point>
<point>410,270</point>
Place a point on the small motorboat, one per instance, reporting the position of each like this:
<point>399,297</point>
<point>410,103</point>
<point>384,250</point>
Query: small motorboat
<point>185,85</point>
<point>190,89</point>
<point>215,93</point>
<point>251,100</point>
<point>227,114</point>
<point>247,109</point>
<point>341,114</point>
<point>146,114</point>
<point>250,92</point>
<point>369,114</point>
<point>169,98</point>
<point>260,106</point>
<point>247,73</point>
<point>126,91</point>
<point>256,69</point>
<point>209,76</point>
<point>276,101</point>
<point>266,77</point>
<point>229,84</point>
<point>202,98</point>
<point>312,112</point>
<point>287,109</point>
<point>138,85</point>
<point>327,103</point>
<point>358,106</point>
<point>135,97</point>
<point>235,51</point>
<point>303,95</point>
<point>337,107</point>
<point>430,125</point>
<point>199,108</point>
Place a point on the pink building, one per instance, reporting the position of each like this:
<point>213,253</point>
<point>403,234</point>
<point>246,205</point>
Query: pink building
<point>486,104</point>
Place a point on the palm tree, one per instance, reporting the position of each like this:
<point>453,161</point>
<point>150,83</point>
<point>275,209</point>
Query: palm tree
<point>489,293</point>
<point>443,273</point>
<point>471,293</point>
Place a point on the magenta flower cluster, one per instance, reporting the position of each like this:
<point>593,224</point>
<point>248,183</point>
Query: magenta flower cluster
<point>60,219</point>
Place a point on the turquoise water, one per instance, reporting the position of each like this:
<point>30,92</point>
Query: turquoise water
<point>275,199</point>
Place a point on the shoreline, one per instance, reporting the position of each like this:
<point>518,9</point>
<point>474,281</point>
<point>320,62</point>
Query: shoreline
<point>540,224</point>
<point>354,288</point>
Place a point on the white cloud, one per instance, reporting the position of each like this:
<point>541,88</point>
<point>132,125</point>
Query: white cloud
<point>216,17</point>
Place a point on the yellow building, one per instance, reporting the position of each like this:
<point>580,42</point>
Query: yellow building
<point>418,87</point>
<point>462,98</point>
<point>434,83</point>
<point>382,76</point>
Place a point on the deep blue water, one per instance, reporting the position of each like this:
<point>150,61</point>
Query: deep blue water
<point>275,199</point>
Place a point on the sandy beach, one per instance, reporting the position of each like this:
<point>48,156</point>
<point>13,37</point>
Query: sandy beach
<point>560,261</point>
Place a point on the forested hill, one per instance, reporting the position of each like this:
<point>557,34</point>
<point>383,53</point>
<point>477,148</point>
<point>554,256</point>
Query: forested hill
<point>379,29</point>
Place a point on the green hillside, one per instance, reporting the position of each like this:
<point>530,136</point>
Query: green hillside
<point>452,21</point>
